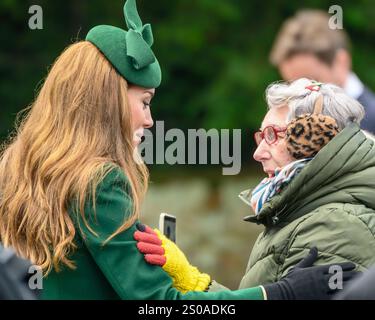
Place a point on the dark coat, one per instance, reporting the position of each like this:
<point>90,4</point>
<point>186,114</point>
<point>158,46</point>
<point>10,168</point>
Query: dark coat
<point>367,99</point>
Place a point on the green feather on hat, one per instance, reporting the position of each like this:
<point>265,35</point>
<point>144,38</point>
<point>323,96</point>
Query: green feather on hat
<point>129,51</point>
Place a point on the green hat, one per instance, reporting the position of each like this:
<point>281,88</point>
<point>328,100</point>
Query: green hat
<point>129,51</point>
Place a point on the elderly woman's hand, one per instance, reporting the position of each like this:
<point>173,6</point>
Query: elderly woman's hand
<point>307,282</point>
<point>159,250</point>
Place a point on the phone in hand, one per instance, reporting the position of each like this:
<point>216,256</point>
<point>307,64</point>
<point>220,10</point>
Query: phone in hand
<point>167,226</point>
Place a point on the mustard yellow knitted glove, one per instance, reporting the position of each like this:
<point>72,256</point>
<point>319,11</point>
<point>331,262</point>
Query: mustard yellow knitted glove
<point>159,250</point>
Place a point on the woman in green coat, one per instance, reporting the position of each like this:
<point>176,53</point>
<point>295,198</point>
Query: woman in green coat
<point>71,181</point>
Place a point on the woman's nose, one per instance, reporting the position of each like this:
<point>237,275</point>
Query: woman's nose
<point>149,122</point>
<point>261,153</point>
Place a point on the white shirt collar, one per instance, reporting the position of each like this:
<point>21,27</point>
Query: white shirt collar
<point>353,86</point>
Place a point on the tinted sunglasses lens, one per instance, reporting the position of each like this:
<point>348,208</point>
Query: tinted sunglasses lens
<point>269,135</point>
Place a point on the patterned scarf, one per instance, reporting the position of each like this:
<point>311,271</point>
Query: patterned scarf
<point>268,187</point>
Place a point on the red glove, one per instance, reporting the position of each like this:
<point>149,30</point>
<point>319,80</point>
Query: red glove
<point>150,245</point>
<point>159,250</point>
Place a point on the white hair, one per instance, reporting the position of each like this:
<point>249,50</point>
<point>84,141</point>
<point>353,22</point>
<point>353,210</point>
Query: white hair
<point>336,103</point>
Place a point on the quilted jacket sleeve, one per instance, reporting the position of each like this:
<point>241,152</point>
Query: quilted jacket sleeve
<point>341,232</point>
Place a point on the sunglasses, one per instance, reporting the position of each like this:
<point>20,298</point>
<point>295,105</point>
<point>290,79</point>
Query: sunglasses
<point>269,133</point>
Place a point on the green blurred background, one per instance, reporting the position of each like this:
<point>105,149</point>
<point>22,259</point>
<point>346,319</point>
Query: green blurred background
<point>214,57</point>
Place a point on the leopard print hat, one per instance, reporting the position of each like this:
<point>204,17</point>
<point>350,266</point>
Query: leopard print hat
<point>308,133</point>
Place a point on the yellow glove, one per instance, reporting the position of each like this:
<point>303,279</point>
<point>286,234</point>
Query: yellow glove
<point>159,250</point>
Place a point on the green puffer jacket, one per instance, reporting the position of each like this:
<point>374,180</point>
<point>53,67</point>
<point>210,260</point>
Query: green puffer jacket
<point>329,204</point>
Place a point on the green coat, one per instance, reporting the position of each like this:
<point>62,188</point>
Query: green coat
<point>329,204</point>
<point>117,270</point>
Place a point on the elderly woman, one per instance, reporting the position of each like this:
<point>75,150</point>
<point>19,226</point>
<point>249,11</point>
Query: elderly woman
<point>320,188</point>
<point>321,181</point>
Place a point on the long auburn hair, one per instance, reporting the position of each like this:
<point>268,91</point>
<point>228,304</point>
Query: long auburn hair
<point>78,124</point>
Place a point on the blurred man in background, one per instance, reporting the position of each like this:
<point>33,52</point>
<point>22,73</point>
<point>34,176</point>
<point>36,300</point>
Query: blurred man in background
<point>307,47</point>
